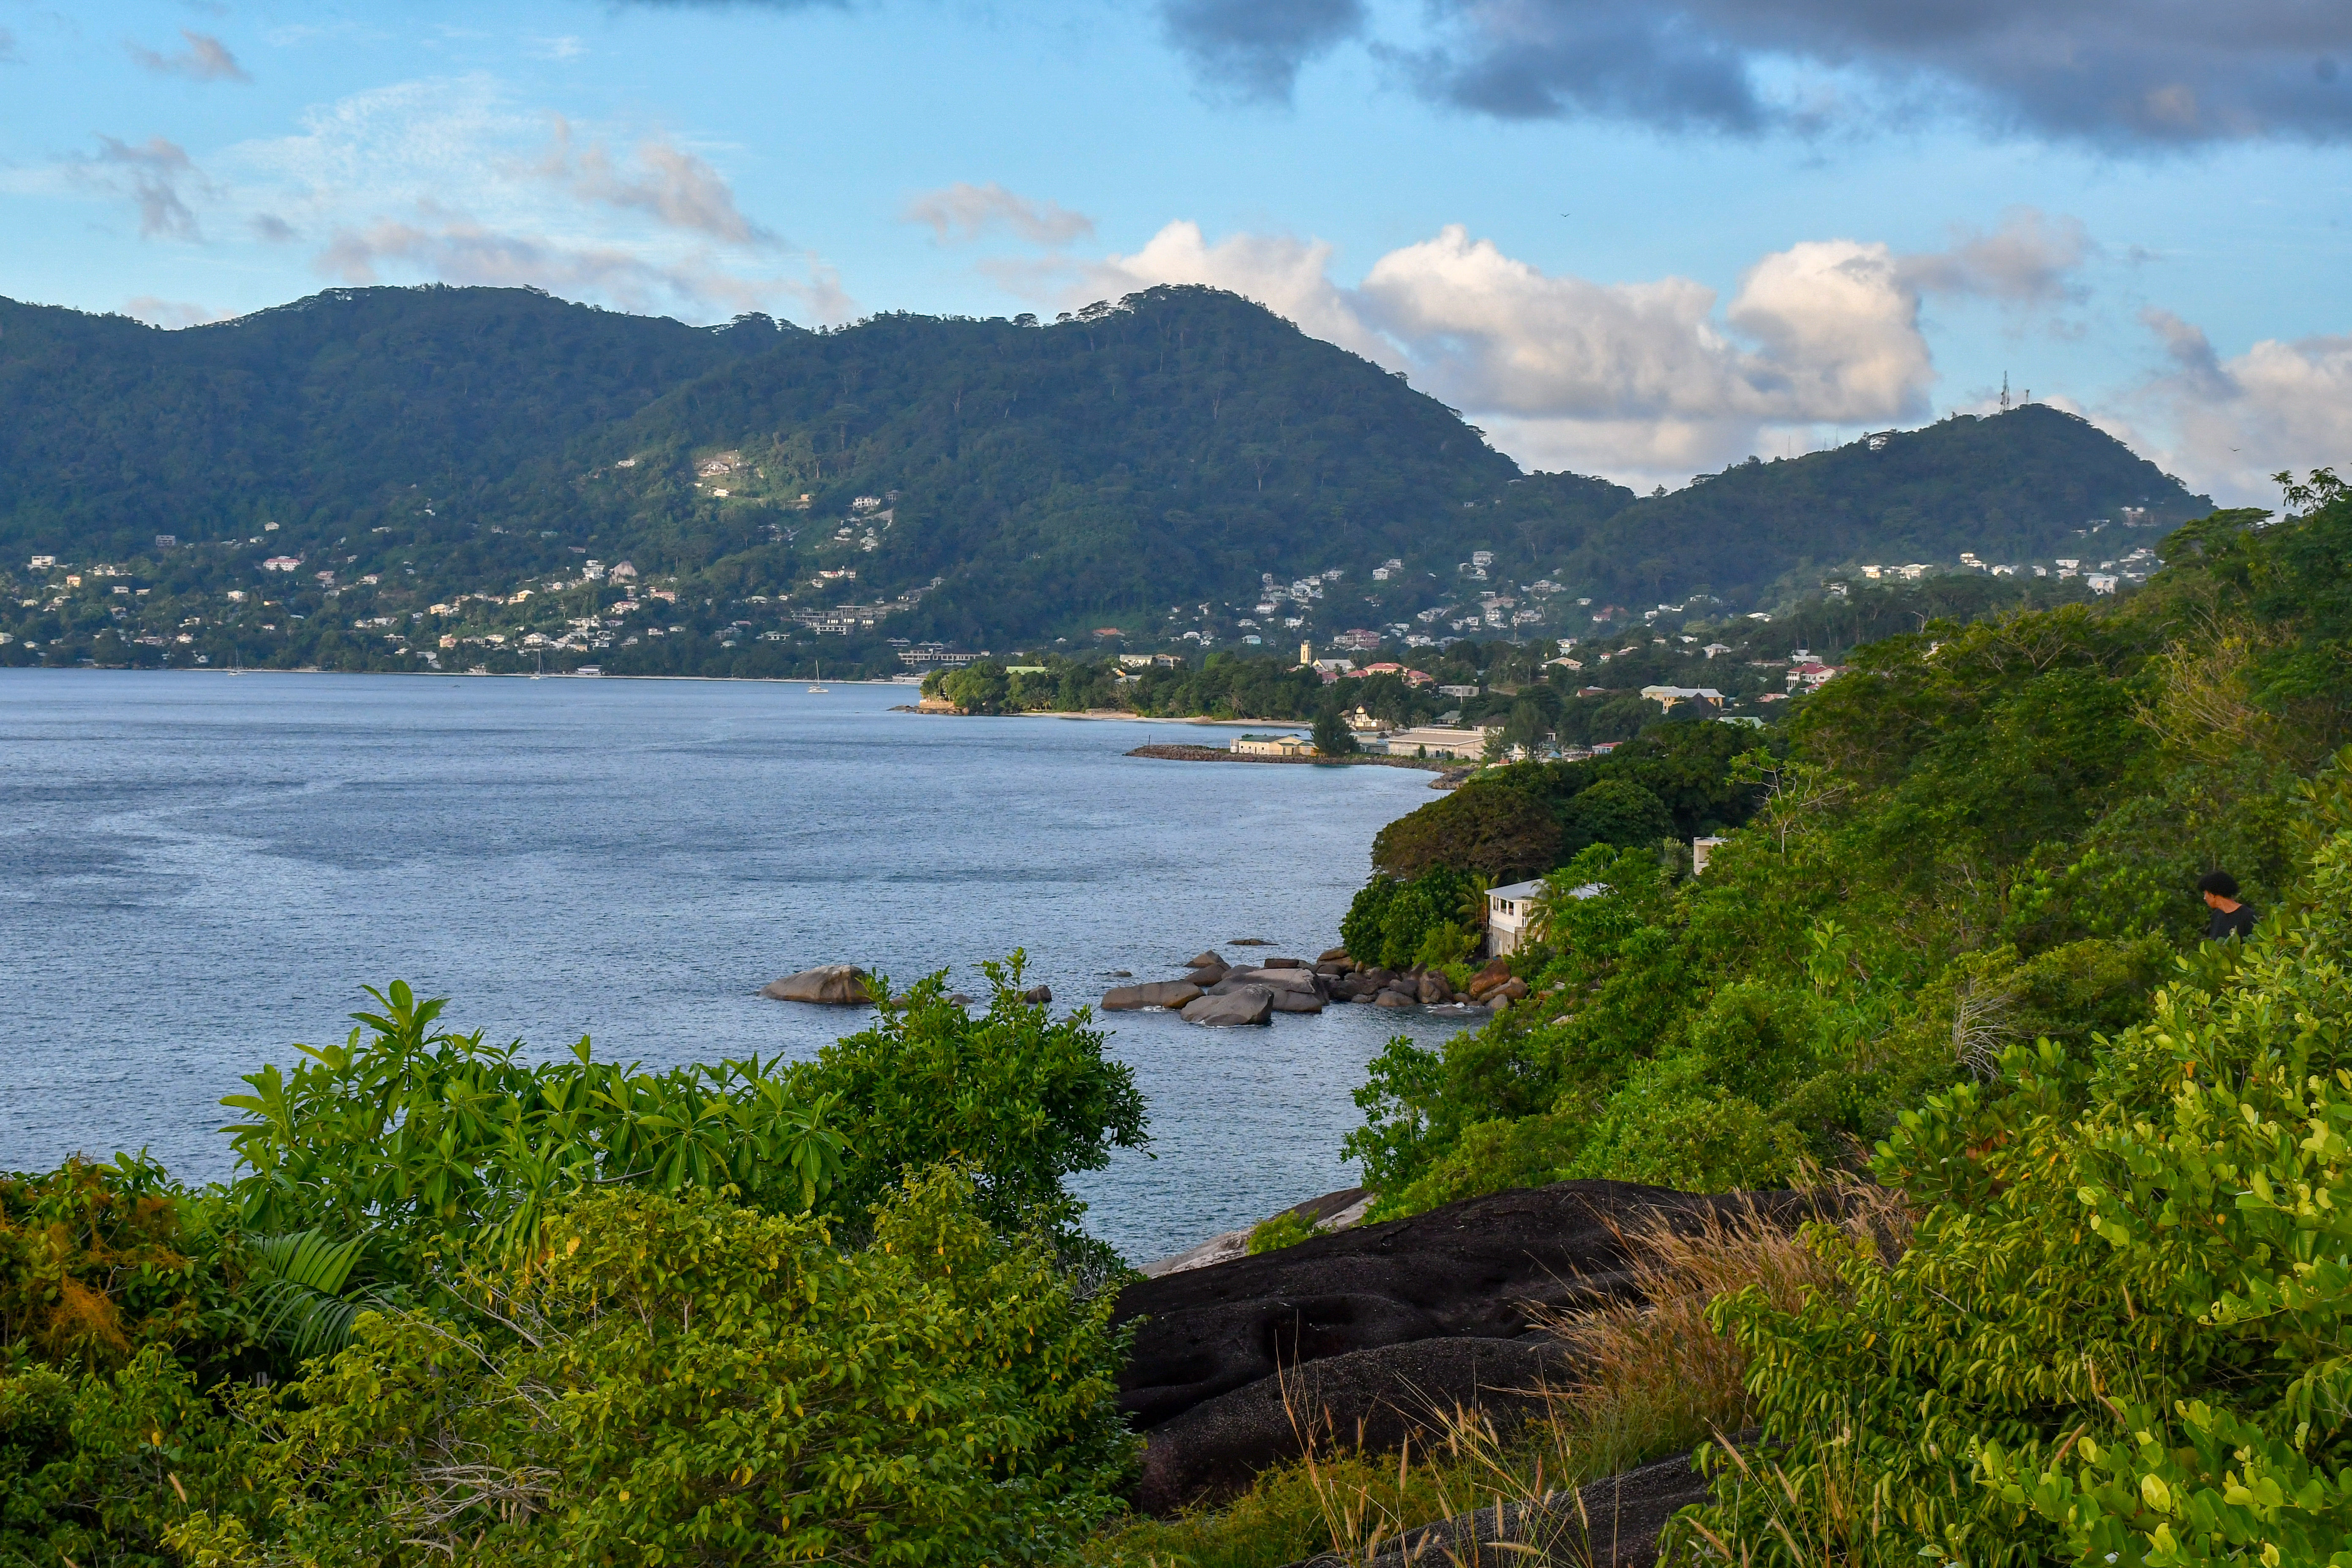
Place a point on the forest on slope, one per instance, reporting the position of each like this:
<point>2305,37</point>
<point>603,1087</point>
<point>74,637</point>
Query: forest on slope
<point>1158,467</point>
<point>1953,942</point>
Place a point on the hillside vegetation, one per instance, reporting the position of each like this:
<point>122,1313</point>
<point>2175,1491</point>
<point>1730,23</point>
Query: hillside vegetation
<point>1956,945</point>
<point>1181,467</point>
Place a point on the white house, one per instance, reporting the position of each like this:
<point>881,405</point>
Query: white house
<point>1700,849</point>
<point>1511,913</point>
<point>1508,910</point>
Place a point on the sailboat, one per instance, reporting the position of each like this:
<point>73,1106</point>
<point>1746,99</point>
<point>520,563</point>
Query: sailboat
<point>818,686</point>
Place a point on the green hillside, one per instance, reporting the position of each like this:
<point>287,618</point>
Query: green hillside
<point>1184,468</point>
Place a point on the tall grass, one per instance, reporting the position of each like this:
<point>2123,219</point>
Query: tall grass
<point>1653,1380</point>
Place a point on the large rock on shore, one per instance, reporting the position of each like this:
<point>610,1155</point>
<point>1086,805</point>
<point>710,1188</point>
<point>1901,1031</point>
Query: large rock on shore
<point>830,985</point>
<point>1158,993</point>
<point>1470,1270</point>
<point>1375,1398</point>
<point>1244,1005</point>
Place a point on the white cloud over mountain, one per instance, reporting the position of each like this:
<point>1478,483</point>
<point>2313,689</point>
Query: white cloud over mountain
<point>1634,379</point>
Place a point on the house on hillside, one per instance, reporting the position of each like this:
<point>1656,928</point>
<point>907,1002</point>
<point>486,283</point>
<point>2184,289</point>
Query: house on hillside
<point>1512,912</point>
<point>1668,697</point>
<point>1811,674</point>
<point>1509,910</point>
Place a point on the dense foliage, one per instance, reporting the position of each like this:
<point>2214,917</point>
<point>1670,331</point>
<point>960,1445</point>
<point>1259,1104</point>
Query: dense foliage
<point>458,1300</point>
<point>1957,945</point>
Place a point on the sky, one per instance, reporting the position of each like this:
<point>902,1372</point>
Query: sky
<point>1642,240</point>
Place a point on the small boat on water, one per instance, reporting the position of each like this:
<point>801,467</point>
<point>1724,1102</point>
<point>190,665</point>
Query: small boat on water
<point>820,676</point>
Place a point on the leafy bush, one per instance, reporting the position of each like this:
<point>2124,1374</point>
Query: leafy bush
<point>1429,919</point>
<point>425,1138</point>
<point>1019,1097</point>
<point>682,1378</point>
<point>1285,1229</point>
<point>2118,1334</point>
<point>540,1311</point>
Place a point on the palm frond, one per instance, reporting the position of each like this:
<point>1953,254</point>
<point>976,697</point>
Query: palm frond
<point>302,1275</point>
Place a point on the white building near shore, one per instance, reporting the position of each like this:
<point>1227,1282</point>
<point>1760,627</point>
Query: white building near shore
<point>1437,740</point>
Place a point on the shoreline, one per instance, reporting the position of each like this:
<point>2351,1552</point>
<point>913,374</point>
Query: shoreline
<point>1441,766</point>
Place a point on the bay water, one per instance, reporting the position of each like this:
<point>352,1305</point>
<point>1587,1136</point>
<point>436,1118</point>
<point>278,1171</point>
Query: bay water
<point>197,869</point>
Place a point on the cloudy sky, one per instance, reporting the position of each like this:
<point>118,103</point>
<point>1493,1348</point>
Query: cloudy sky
<point>1639,239</point>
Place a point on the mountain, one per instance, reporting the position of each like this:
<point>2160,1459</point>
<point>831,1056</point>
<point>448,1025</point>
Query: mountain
<point>1161,466</point>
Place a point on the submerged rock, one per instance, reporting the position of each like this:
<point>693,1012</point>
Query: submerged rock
<point>829,985</point>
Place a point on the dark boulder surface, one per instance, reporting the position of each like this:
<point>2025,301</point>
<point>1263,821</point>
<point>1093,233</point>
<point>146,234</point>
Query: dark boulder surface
<point>1372,1399</point>
<point>1470,1270</point>
<point>1613,1522</point>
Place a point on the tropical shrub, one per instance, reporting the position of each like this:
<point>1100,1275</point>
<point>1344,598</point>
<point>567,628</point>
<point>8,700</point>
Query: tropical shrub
<point>1019,1098</point>
<point>2119,1331</point>
<point>1428,919</point>
<point>423,1138</point>
<point>686,1379</point>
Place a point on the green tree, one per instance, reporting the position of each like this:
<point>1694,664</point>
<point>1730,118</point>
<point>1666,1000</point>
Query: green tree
<point>1018,1097</point>
<point>1498,831</point>
<point>1332,736</point>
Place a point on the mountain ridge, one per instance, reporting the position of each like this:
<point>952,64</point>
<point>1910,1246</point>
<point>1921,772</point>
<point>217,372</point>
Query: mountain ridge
<point>1155,467</point>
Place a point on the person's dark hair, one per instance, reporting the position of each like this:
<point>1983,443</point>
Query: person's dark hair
<point>2220,883</point>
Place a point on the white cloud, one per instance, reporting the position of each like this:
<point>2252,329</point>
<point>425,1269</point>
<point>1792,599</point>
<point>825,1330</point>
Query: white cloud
<point>452,246</point>
<point>2235,421</point>
<point>171,314</point>
<point>157,175</point>
<point>1638,380</point>
<point>966,212</point>
<point>450,180</point>
<point>2030,259</point>
<point>205,58</point>
<point>671,185</point>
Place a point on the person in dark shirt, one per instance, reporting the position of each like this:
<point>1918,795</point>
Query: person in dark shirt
<point>2231,919</point>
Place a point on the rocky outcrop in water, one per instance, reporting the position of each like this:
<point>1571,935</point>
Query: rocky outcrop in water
<point>830,985</point>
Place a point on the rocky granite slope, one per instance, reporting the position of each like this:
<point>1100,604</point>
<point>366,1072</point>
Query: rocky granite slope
<point>1371,1332</point>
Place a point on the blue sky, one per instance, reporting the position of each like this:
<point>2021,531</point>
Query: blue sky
<point>1637,240</point>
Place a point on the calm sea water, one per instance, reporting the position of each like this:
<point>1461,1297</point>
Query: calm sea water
<point>197,869</point>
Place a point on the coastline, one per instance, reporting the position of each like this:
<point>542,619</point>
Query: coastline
<point>1441,766</point>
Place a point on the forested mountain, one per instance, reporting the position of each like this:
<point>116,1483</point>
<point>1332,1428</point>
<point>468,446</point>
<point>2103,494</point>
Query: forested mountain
<point>1179,465</point>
